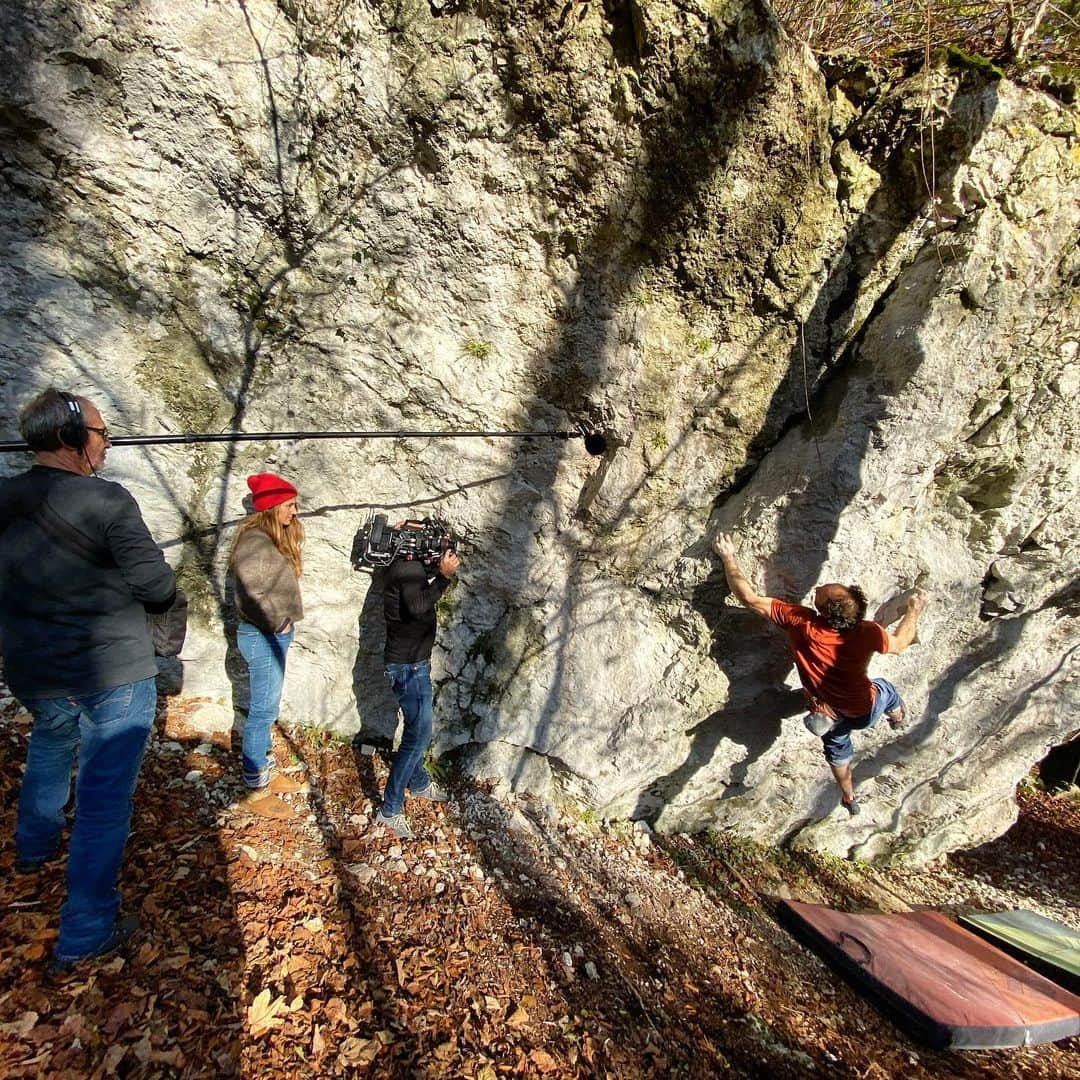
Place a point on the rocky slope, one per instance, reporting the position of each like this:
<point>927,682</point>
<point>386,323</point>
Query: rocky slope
<point>833,313</point>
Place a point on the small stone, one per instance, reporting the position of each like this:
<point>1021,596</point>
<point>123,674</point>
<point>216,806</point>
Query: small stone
<point>642,826</point>
<point>476,873</point>
<point>418,871</point>
<point>394,852</point>
<point>568,961</point>
<point>169,747</point>
<point>209,717</point>
<point>193,776</point>
<point>633,901</point>
<point>439,887</point>
<point>590,970</point>
<point>400,867</point>
<point>579,951</point>
<point>204,749</point>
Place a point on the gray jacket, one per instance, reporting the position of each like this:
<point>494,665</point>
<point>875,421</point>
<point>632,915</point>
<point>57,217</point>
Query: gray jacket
<point>267,592</point>
<point>72,625</point>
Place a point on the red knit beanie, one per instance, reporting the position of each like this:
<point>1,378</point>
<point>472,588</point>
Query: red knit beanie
<point>268,490</point>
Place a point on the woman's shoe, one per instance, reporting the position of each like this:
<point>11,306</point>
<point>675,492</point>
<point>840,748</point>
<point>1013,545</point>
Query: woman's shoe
<point>280,784</point>
<point>263,802</point>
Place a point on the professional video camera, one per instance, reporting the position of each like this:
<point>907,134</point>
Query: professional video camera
<point>378,544</point>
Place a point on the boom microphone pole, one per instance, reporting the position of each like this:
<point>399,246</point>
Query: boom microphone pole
<point>595,442</point>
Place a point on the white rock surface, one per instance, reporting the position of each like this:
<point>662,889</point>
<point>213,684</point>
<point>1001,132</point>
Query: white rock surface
<point>263,218</point>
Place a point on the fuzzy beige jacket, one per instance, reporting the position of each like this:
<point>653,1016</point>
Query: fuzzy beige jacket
<point>267,592</point>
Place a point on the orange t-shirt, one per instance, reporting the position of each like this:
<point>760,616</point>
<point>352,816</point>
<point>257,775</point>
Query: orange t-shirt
<point>832,665</point>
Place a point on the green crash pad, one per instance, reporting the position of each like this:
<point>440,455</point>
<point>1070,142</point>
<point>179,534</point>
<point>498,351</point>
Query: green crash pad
<point>1047,946</point>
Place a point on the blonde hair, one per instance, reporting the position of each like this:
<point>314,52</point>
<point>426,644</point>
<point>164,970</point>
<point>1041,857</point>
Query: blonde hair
<point>288,541</point>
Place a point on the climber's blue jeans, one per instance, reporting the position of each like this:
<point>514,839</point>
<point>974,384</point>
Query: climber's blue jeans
<point>411,684</point>
<point>265,656</point>
<point>837,740</point>
<point>108,730</point>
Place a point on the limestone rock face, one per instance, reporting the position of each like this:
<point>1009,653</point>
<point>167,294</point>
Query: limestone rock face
<point>833,314</point>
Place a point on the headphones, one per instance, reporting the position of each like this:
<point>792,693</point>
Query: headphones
<point>72,432</point>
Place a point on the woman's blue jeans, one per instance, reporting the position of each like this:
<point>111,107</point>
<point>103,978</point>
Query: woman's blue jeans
<point>265,656</point>
<point>108,731</point>
<point>412,688</point>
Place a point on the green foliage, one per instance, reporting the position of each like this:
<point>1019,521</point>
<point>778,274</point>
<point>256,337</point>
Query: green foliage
<point>956,57</point>
<point>1031,782</point>
<point>698,343</point>
<point>658,440</point>
<point>477,348</point>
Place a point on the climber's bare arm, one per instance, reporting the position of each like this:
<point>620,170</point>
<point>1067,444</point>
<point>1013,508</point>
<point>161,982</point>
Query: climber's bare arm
<point>905,632</point>
<point>736,579</point>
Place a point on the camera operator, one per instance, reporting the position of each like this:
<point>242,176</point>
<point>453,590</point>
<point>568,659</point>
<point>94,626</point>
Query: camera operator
<point>411,590</point>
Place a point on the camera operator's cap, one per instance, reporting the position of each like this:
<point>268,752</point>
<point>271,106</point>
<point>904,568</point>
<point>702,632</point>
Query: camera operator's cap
<point>268,490</point>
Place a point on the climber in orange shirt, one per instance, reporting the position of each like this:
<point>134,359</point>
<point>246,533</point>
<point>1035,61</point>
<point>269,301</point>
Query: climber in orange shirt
<point>832,644</point>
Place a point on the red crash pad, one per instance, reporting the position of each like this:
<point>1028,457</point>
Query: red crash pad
<point>942,983</point>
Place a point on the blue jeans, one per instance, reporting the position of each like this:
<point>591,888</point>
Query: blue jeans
<point>108,730</point>
<point>265,656</point>
<point>837,740</point>
<point>412,688</point>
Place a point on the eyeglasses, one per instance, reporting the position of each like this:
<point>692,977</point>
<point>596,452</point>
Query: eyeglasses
<point>102,431</point>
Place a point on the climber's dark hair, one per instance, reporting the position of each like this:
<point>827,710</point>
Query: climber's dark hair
<point>845,612</point>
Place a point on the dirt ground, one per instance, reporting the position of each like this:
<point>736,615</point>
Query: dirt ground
<point>511,938</point>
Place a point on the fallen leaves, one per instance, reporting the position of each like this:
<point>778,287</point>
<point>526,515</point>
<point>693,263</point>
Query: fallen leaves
<point>21,1027</point>
<point>262,1013</point>
<point>275,961</point>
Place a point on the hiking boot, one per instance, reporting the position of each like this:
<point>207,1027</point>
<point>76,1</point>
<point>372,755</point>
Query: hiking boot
<point>433,793</point>
<point>263,802</point>
<point>285,785</point>
<point>398,824</point>
<point>122,930</point>
<point>851,807</point>
<point>817,723</point>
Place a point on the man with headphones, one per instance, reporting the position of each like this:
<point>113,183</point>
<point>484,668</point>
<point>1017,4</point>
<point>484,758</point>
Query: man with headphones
<point>78,573</point>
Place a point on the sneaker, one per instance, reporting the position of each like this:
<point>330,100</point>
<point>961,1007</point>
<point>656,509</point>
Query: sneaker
<point>433,793</point>
<point>398,824</point>
<point>262,802</point>
<point>851,807</point>
<point>285,785</point>
<point>897,717</point>
<point>817,723</point>
<point>124,927</point>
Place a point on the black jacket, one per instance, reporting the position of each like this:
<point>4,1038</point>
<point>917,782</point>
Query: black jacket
<point>409,601</point>
<point>73,624</point>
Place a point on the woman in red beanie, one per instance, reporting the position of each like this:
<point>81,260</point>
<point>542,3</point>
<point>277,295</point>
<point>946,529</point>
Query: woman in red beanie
<point>266,562</point>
